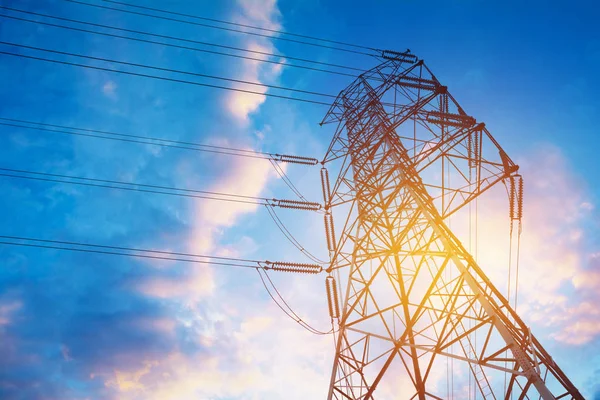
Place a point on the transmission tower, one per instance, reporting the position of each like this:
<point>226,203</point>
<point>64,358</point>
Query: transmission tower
<point>416,304</point>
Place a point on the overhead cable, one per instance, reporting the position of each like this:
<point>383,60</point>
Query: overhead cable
<point>279,32</point>
<point>94,133</point>
<point>282,61</point>
<point>284,266</point>
<point>167,190</point>
<point>285,307</point>
<point>165,78</point>
<point>304,100</point>
<point>288,235</point>
<point>177,71</point>
<point>287,180</point>
<point>268,36</point>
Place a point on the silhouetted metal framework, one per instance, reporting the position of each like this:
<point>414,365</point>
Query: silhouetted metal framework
<point>409,156</point>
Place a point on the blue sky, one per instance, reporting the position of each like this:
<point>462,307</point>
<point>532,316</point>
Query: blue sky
<point>77,326</point>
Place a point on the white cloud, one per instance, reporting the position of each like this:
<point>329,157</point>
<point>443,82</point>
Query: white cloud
<point>110,89</point>
<point>264,14</point>
<point>245,177</point>
<point>6,311</point>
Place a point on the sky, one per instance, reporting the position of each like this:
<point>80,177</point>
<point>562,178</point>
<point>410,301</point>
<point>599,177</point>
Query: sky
<point>93,326</point>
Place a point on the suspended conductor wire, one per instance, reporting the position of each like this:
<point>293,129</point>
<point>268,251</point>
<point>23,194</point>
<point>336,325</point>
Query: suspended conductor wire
<point>224,28</point>
<point>288,235</point>
<point>287,180</point>
<point>144,140</point>
<point>173,253</point>
<point>287,310</point>
<point>165,78</point>
<point>197,49</point>
<point>280,32</point>
<point>122,251</point>
<point>168,190</point>
<point>290,308</point>
<point>177,71</point>
<point>102,183</point>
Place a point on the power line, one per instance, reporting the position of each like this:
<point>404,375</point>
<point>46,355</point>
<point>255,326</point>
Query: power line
<point>177,71</point>
<point>280,32</point>
<point>304,100</point>
<point>250,155</point>
<point>99,246</point>
<point>173,191</point>
<point>136,187</point>
<point>164,78</point>
<point>266,265</point>
<point>184,40</point>
<point>287,310</point>
<point>288,235</point>
<point>159,142</point>
<point>281,173</point>
<point>125,254</point>
<point>222,28</point>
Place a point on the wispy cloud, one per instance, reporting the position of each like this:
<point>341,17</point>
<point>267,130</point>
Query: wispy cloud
<point>264,14</point>
<point>110,89</point>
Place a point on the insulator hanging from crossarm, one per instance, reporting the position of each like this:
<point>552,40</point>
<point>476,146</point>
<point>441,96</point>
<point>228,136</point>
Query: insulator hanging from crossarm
<point>449,119</point>
<point>476,147</point>
<point>417,83</point>
<point>400,56</point>
<point>417,79</point>
<point>329,231</point>
<point>295,204</point>
<point>332,297</point>
<point>325,186</point>
<point>470,149</point>
<point>511,198</point>
<point>295,159</point>
<point>515,195</point>
<point>520,199</point>
<point>284,266</point>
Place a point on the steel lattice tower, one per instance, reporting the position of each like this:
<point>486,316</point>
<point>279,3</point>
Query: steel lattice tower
<point>415,297</point>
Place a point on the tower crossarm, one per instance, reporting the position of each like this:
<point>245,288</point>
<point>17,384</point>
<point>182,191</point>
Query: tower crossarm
<point>457,157</point>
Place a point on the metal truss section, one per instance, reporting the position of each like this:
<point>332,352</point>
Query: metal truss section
<point>457,158</point>
<point>415,299</point>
